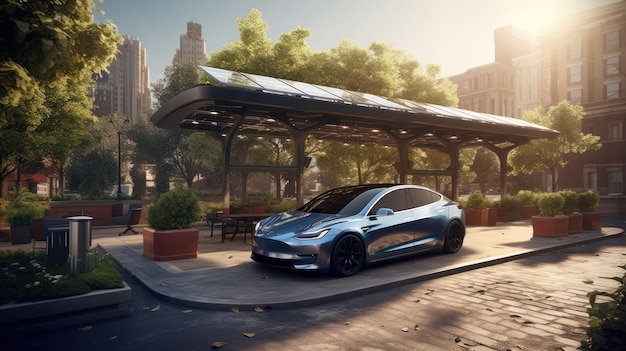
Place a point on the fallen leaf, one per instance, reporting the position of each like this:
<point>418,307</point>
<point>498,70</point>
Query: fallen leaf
<point>248,335</point>
<point>322,311</point>
<point>457,339</point>
<point>405,329</point>
<point>588,281</point>
<point>515,316</point>
<point>265,277</point>
<point>417,327</point>
<point>187,311</point>
<point>235,309</point>
<point>347,323</point>
<point>258,309</point>
<point>218,344</point>
<point>482,292</point>
<point>155,308</point>
<point>86,328</point>
<point>229,257</point>
<point>416,300</point>
<point>114,337</point>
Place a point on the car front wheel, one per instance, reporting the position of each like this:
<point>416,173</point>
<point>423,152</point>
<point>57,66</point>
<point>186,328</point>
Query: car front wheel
<point>348,256</point>
<point>455,233</point>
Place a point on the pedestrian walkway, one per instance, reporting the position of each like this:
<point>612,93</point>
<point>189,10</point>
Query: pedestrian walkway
<point>223,276</point>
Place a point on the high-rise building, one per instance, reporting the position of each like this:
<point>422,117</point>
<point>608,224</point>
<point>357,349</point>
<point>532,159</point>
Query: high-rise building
<point>582,60</point>
<point>192,46</point>
<point>125,88</point>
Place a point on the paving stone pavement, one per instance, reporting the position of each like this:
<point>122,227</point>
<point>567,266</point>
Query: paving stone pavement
<point>535,303</point>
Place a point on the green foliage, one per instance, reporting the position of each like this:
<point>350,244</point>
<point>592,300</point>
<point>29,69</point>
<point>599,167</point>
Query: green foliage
<point>25,207</point>
<point>571,201</point>
<point>487,168</point>
<point>541,154</point>
<point>209,206</point>
<point>283,206</point>
<point>607,319</point>
<point>527,197</point>
<point>551,204</point>
<point>46,40</point>
<point>94,173</point>
<point>178,208</point>
<point>511,203</point>
<point>26,277</point>
<point>588,201</point>
<point>475,201</point>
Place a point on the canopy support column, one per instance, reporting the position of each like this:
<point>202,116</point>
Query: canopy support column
<point>227,143</point>
<point>299,138</point>
<point>403,167</point>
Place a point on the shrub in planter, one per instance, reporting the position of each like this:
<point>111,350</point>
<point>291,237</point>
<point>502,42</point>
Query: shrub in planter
<point>570,208</point>
<point>170,235</point>
<point>550,222</point>
<point>510,206</point>
<point>528,201</point>
<point>477,210</point>
<point>20,213</point>
<point>588,203</point>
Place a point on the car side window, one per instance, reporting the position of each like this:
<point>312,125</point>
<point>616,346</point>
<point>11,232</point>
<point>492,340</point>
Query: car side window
<point>421,197</point>
<point>395,200</point>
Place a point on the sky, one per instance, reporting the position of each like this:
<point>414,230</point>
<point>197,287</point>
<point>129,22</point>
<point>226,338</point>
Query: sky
<point>455,34</point>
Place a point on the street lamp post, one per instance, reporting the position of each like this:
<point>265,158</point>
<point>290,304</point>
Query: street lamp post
<point>119,157</point>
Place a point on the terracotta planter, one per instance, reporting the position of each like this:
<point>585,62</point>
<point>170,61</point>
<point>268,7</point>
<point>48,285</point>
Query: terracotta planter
<point>592,220</point>
<point>575,223</point>
<point>486,217</point>
<point>168,245</point>
<point>528,211</point>
<point>551,227</point>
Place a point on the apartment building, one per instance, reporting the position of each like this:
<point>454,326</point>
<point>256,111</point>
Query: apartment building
<point>582,60</point>
<point>125,87</point>
<point>192,46</point>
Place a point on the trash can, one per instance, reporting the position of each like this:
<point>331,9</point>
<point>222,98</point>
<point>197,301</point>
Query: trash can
<point>80,242</point>
<point>57,244</point>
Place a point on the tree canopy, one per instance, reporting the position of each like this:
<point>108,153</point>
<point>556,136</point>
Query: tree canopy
<point>542,154</point>
<point>44,41</point>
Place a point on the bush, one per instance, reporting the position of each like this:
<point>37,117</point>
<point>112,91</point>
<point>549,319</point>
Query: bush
<point>511,203</point>
<point>608,319</point>
<point>283,206</point>
<point>588,202</point>
<point>175,209</point>
<point>527,197</point>
<point>475,201</point>
<point>571,201</point>
<point>25,207</point>
<point>551,204</point>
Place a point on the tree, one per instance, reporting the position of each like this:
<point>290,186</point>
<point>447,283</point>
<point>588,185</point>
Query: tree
<point>45,41</point>
<point>542,154</point>
<point>487,169</point>
<point>93,173</point>
<point>65,132</point>
<point>380,70</point>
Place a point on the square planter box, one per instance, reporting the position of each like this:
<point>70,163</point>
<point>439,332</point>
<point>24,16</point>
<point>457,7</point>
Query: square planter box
<point>21,234</point>
<point>551,227</point>
<point>486,217</point>
<point>575,223</point>
<point>592,220</point>
<point>168,245</point>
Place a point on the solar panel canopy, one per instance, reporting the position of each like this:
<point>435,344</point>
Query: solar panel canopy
<point>273,107</point>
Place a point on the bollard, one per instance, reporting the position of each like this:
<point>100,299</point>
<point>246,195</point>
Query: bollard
<point>80,241</point>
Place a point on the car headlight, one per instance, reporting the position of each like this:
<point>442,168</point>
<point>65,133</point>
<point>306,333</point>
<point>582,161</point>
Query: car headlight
<point>313,235</point>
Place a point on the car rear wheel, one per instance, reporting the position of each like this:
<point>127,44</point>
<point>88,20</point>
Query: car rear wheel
<point>348,256</point>
<point>455,233</point>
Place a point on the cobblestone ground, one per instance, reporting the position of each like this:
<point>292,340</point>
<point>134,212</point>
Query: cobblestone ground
<point>537,303</point>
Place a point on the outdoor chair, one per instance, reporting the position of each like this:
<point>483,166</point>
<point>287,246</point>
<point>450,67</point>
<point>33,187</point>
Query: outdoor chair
<point>133,219</point>
<point>213,218</point>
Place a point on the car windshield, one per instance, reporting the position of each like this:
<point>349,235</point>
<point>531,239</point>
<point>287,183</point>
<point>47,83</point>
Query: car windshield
<point>342,201</point>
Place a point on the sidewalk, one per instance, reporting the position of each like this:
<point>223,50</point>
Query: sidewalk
<point>223,276</point>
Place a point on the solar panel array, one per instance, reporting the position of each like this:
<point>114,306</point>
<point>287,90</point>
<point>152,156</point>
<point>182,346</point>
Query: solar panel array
<point>312,91</point>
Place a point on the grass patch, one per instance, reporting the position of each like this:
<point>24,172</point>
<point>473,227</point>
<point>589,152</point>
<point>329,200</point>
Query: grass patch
<point>26,277</point>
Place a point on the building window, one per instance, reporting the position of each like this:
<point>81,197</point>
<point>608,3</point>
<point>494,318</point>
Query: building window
<point>591,178</point>
<point>612,90</point>
<point>575,73</point>
<point>615,130</point>
<point>575,50</point>
<point>612,66</point>
<point>616,181</point>
<point>575,96</point>
<point>612,40</point>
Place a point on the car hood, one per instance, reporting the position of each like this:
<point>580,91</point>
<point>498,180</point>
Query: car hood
<point>295,222</point>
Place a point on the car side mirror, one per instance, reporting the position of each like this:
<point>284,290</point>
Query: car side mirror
<point>383,211</point>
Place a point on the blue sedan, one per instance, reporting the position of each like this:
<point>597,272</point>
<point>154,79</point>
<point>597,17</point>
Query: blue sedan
<point>344,229</point>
